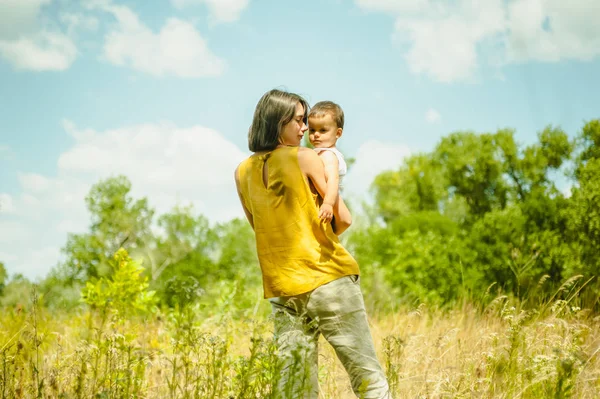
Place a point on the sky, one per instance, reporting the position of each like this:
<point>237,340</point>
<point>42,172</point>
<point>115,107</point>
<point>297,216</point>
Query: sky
<point>163,92</point>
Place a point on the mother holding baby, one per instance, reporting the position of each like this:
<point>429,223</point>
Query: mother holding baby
<point>310,279</point>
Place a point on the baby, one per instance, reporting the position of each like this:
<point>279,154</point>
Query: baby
<point>325,127</point>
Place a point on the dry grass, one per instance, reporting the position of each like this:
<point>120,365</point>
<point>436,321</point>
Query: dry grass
<point>501,352</point>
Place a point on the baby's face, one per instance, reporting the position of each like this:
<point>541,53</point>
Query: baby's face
<point>322,131</point>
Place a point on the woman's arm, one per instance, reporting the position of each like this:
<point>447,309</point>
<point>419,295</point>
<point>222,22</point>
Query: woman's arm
<point>246,210</point>
<point>312,167</point>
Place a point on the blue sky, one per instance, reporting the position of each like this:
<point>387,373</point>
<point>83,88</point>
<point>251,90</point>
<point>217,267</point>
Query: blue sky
<point>164,91</point>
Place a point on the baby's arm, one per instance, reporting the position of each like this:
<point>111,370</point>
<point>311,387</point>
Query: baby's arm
<point>331,165</point>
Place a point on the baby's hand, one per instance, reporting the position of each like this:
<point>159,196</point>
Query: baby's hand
<point>326,213</point>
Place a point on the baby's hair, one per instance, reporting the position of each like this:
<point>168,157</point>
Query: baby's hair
<point>328,107</point>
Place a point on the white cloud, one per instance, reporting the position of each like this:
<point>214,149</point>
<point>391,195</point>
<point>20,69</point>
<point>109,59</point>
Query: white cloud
<point>394,6</point>
<point>33,182</point>
<point>443,40</point>
<point>18,17</point>
<point>178,49</point>
<point>432,116</point>
<point>161,155</point>
<point>11,233</point>
<point>46,51</point>
<point>552,30</point>
<point>26,44</point>
<point>6,204</point>
<point>6,257</point>
<point>450,41</point>
<point>165,163</point>
<point>372,158</point>
<point>220,10</point>
<point>77,21</point>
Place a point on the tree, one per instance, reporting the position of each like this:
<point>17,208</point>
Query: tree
<point>583,211</point>
<point>17,292</point>
<point>417,186</point>
<point>124,293</point>
<point>589,142</point>
<point>181,259</point>
<point>495,200</point>
<point>237,251</point>
<point>474,170</point>
<point>583,217</point>
<point>3,277</point>
<point>117,221</point>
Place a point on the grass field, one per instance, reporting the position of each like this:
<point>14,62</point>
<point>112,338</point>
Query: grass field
<point>499,351</point>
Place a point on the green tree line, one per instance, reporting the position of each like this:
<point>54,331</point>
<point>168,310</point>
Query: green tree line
<point>480,212</point>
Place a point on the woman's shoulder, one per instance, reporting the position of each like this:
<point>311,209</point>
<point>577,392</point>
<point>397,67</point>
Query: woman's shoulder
<point>307,155</point>
<point>244,165</point>
<point>244,162</point>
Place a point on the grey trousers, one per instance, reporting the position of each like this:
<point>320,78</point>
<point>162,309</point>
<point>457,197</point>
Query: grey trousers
<point>337,311</point>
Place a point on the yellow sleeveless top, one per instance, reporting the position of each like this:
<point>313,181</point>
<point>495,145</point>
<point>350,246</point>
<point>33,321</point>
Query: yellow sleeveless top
<point>296,251</point>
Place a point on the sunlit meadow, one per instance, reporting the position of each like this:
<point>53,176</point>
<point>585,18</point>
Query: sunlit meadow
<point>123,346</point>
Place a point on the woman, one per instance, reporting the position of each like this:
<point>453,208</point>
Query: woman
<point>310,279</point>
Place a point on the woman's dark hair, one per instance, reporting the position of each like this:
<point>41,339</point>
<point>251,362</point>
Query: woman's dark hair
<point>275,109</point>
